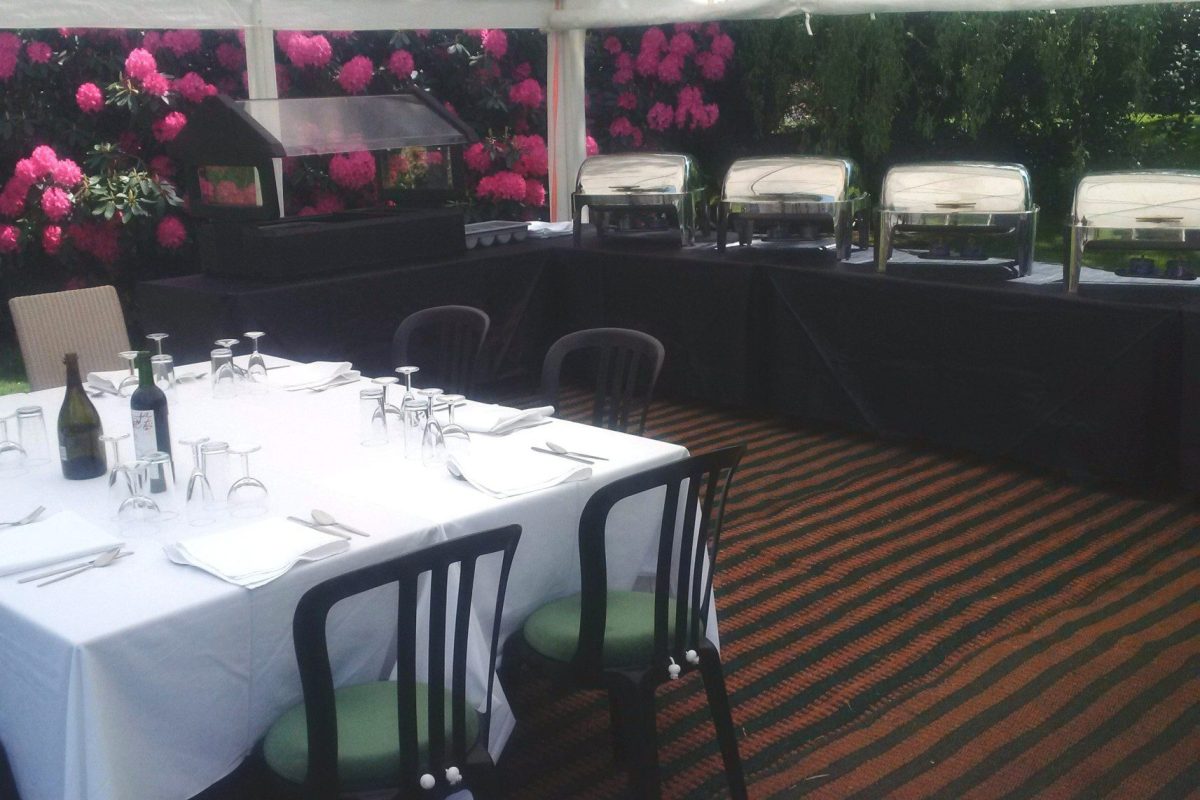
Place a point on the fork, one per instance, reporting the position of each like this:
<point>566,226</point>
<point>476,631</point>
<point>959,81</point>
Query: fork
<point>25,520</point>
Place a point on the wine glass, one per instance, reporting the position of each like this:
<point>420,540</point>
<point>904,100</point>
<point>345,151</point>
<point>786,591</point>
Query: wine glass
<point>229,344</point>
<point>372,424</point>
<point>224,383</point>
<point>120,475</point>
<point>163,368</point>
<point>247,496</point>
<point>160,475</point>
<point>130,381</point>
<point>157,338</point>
<point>31,434</point>
<point>12,456</point>
<point>458,440</point>
<point>198,499</point>
<point>409,397</point>
<point>138,514</point>
<point>433,442</point>
<point>389,409</point>
<point>256,367</point>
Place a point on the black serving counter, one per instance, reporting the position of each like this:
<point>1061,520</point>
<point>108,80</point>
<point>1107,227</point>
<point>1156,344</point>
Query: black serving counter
<point>1102,385</point>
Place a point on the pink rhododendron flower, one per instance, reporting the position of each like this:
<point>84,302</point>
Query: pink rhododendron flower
<point>534,159</point>
<point>527,93</point>
<point>156,84</point>
<point>8,238</point>
<point>621,126</point>
<point>167,128</point>
<point>654,39</point>
<point>231,57</point>
<point>627,100</point>
<point>691,111</point>
<point>400,64</point>
<point>12,201</point>
<point>535,193</point>
<point>152,41</point>
<point>660,116</point>
<point>722,45</point>
<point>171,233</point>
<point>477,157</point>
<point>328,203</point>
<point>712,66</point>
<point>624,69</point>
<point>26,173</point>
<point>139,64</point>
<point>43,159</point>
<point>52,239</point>
<point>308,51</point>
<point>10,50</point>
<point>38,52</point>
<point>9,43</point>
<point>613,45</point>
<point>503,185</point>
<point>356,74</point>
<point>592,148</point>
<point>89,98</point>
<point>66,173</point>
<point>647,62</point>
<point>182,42</point>
<point>162,166</point>
<point>193,88</point>
<point>352,170</point>
<point>56,203</point>
<point>683,44</point>
<point>495,42</point>
<point>670,69</point>
<point>522,71</point>
<point>712,29</point>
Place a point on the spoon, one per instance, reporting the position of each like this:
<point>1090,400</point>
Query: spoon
<point>562,451</point>
<point>325,518</point>
<point>25,520</point>
<point>99,562</point>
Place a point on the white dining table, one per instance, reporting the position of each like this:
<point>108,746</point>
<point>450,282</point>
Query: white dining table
<point>150,679</point>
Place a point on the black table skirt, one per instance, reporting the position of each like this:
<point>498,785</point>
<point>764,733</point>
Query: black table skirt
<point>1098,386</point>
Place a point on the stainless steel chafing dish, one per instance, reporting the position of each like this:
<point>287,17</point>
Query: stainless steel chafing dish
<point>958,198</point>
<point>1135,211</point>
<point>818,195</point>
<point>638,192</point>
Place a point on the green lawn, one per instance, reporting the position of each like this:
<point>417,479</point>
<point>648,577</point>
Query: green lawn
<point>12,370</point>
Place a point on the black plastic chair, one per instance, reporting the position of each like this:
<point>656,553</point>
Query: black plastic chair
<point>627,366</point>
<point>8,784</point>
<point>445,341</point>
<point>628,643</point>
<point>301,751</point>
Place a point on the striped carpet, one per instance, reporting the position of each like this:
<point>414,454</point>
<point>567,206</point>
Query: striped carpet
<point>904,623</point>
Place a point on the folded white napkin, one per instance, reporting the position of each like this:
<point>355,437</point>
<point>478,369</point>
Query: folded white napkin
<point>105,381</point>
<point>508,474</point>
<point>317,372</point>
<point>495,420</point>
<point>62,537</point>
<point>257,554</point>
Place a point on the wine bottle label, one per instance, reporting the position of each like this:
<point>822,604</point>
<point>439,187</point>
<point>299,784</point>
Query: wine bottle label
<point>145,438</point>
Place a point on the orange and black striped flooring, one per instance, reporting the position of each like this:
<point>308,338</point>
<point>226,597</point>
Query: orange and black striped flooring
<point>903,623</point>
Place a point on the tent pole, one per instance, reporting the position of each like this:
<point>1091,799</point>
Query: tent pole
<point>260,77</point>
<point>565,116</point>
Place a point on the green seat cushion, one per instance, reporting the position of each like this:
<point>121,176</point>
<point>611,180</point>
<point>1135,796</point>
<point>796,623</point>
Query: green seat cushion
<point>553,630</point>
<point>368,737</point>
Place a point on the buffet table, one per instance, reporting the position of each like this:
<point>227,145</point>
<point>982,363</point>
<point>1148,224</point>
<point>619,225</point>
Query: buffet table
<point>148,679</point>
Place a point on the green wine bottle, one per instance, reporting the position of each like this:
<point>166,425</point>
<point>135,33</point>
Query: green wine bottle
<point>148,406</point>
<point>79,430</point>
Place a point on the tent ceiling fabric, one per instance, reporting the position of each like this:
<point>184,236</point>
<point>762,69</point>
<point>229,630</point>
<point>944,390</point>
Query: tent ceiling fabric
<point>401,14</point>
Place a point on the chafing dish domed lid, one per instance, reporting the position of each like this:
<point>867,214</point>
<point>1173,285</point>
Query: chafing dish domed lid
<point>637,174</point>
<point>812,179</point>
<point>957,186</point>
<point>1140,199</point>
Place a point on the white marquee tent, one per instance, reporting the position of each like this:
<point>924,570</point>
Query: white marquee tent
<point>564,20</point>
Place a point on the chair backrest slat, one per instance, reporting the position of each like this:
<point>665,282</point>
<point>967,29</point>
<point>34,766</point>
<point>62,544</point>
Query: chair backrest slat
<point>685,566</point>
<point>434,566</point>
<point>84,321</point>
<point>627,364</point>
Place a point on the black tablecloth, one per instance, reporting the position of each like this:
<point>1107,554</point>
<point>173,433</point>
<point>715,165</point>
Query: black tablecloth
<point>1100,385</point>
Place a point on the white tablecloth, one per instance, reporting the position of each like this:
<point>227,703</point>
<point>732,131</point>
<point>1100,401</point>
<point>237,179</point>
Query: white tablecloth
<point>152,680</point>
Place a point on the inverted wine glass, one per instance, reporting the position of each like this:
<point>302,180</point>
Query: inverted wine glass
<point>139,514</point>
<point>120,474</point>
<point>13,458</point>
<point>198,498</point>
<point>458,440</point>
<point>130,381</point>
<point>224,381</point>
<point>256,367</point>
<point>433,442</point>
<point>157,338</point>
<point>247,495</point>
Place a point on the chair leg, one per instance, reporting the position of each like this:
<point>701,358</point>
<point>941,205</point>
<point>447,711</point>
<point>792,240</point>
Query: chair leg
<point>718,702</point>
<point>643,760</point>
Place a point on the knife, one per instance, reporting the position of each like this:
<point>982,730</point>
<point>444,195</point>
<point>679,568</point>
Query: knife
<point>562,455</point>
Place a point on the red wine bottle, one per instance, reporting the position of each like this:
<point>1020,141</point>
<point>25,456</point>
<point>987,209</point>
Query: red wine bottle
<point>79,445</point>
<point>148,407</point>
